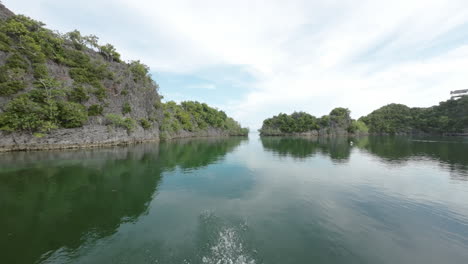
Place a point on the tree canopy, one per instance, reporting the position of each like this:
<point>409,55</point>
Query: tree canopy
<point>450,116</point>
<point>300,122</point>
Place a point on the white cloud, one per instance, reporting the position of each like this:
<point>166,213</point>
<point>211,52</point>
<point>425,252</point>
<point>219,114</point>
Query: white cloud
<point>302,55</point>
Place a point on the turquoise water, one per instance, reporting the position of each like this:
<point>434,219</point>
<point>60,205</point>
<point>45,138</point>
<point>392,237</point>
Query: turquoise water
<point>239,200</point>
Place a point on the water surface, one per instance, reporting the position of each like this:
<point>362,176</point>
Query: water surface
<point>237,200</point>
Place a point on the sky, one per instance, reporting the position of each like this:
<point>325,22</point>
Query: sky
<point>255,59</point>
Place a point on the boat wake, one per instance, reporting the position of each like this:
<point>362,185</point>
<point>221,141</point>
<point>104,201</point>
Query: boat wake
<point>228,250</point>
<point>227,243</point>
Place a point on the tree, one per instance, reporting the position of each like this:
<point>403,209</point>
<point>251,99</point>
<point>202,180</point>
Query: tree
<point>92,41</point>
<point>76,38</point>
<point>109,52</point>
<point>72,114</point>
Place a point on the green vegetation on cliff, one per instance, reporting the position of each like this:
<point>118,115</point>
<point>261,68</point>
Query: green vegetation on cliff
<point>450,116</point>
<point>52,80</point>
<point>49,103</point>
<point>194,116</point>
<point>337,122</point>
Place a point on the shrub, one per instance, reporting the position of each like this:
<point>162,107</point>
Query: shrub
<point>16,61</point>
<point>4,46</point>
<point>95,110</point>
<point>11,87</point>
<point>48,89</point>
<point>145,123</point>
<point>119,121</point>
<point>78,94</point>
<point>109,52</point>
<point>40,71</point>
<point>31,49</point>
<point>124,92</point>
<point>14,29</point>
<point>158,105</point>
<point>139,70</point>
<point>75,58</point>
<point>4,42</point>
<point>100,92</point>
<point>82,76</point>
<point>23,114</point>
<point>358,127</point>
<point>126,108</point>
<point>72,114</point>
<point>11,80</point>
<point>185,119</point>
<point>76,38</point>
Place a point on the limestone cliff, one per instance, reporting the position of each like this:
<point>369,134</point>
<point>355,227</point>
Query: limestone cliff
<point>62,91</point>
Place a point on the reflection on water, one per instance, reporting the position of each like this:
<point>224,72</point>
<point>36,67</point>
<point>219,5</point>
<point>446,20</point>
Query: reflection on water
<point>451,152</point>
<point>235,200</point>
<point>50,200</point>
<point>338,149</point>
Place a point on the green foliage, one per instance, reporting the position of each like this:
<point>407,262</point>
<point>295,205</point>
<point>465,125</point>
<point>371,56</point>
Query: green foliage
<point>158,105</point>
<point>139,70</point>
<point>89,73</point>
<point>145,123</point>
<point>339,114</point>
<point>28,43</point>
<point>75,58</point>
<point>340,118</point>
<point>235,128</point>
<point>324,121</point>
<point>40,71</point>
<point>298,122</point>
<point>91,41</point>
<point>126,108</point>
<point>195,116</point>
<point>15,60</point>
<point>22,35</point>
<point>42,109</point>
<point>358,127</point>
<point>119,121</point>
<point>72,114</point>
<point>100,92</point>
<point>95,110</point>
<point>14,28</point>
<point>76,38</point>
<point>448,117</point>
<point>11,80</point>
<point>184,119</point>
<point>109,53</point>
<point>24,114</point>
<point>78,94</point>
<point>392,118</point>
<point>48,88</point>
<point>11,87</point>
<point>46,107</point>
<point>12,75</point>
<point>30,47</point>
<point>5,42</point>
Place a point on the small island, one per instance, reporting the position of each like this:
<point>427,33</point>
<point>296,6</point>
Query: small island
<point>449,118</point>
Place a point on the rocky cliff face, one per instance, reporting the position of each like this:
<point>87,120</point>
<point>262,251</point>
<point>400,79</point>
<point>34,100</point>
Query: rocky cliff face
<point>64,91</point>
<point>4,12</point>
